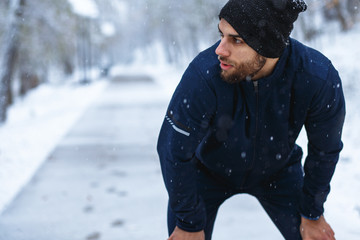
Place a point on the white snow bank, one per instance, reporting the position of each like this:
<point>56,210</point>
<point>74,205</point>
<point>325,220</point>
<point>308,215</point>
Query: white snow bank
<point>35,124</point>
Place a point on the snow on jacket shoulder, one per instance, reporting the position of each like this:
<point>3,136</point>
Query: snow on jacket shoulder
<point>244,134</point>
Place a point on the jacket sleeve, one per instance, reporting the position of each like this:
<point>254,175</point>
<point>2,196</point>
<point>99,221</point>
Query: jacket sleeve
<point>185,125</point>
<point>324,128</point>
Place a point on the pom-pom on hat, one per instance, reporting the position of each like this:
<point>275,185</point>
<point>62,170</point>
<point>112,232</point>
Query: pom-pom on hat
<point>265,25</point>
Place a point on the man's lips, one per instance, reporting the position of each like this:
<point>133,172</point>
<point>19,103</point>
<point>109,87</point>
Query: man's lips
<point>225,66</point>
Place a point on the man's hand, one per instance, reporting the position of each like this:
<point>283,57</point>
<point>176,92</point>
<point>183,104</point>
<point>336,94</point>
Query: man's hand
<point>179,234</point>
<point>316,229</point>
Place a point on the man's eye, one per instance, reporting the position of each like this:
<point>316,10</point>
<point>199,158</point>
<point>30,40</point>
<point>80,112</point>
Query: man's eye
<point>237,41</point>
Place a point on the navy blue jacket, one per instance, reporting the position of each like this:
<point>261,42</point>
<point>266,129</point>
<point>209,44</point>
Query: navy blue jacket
<point>246,132</point>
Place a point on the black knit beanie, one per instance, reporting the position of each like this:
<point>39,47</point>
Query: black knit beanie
<point>265,25</point>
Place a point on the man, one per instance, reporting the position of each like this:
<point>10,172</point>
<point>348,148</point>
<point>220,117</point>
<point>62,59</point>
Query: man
<point>233,120</point>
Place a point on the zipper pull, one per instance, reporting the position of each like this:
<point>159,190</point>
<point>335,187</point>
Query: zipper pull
<point>256,86</point>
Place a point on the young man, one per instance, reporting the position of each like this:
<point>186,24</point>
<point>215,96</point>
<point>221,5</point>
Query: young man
<point>233,120</point>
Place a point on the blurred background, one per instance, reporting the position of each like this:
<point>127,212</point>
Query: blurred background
<point>58,58</point>
<point>40,38</point>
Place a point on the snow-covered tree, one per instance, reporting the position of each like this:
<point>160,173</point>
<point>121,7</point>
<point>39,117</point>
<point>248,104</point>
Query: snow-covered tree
<point>9,53</point>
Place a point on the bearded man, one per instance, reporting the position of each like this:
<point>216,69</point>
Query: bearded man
<point>233,120</point>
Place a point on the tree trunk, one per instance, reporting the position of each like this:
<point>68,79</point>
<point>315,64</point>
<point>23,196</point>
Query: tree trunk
<point>8,59</point>
<point>342,20</point>
<point>28,81</point>
<point>353,7</point>
<point>335,5</point>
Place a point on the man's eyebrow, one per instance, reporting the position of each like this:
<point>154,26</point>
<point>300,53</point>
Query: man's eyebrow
<point>235,36</point>
<point>230,35</point>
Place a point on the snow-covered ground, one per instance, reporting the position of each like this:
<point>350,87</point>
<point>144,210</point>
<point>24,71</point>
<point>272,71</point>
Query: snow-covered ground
<point>38,121</point>
<point>35,124</point>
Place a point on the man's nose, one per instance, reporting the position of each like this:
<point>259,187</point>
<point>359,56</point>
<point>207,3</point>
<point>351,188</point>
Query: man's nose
<point>222,49</point>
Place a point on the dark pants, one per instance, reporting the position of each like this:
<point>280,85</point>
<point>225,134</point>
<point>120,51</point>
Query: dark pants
<point>278,196</point>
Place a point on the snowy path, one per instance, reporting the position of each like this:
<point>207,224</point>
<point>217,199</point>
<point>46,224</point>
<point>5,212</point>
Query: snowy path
<point>103,180</point>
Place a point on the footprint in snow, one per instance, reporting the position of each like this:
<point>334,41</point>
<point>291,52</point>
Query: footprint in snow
<point>118,223</point>
<point>94,236</point>
<point>88,209</point>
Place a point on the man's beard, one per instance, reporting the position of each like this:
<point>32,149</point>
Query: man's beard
<point>244,71</point>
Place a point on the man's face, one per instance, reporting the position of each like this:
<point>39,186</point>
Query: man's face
<point>238,61</point>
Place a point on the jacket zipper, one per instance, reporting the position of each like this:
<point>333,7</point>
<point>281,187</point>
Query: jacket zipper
<point>256,90</point>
